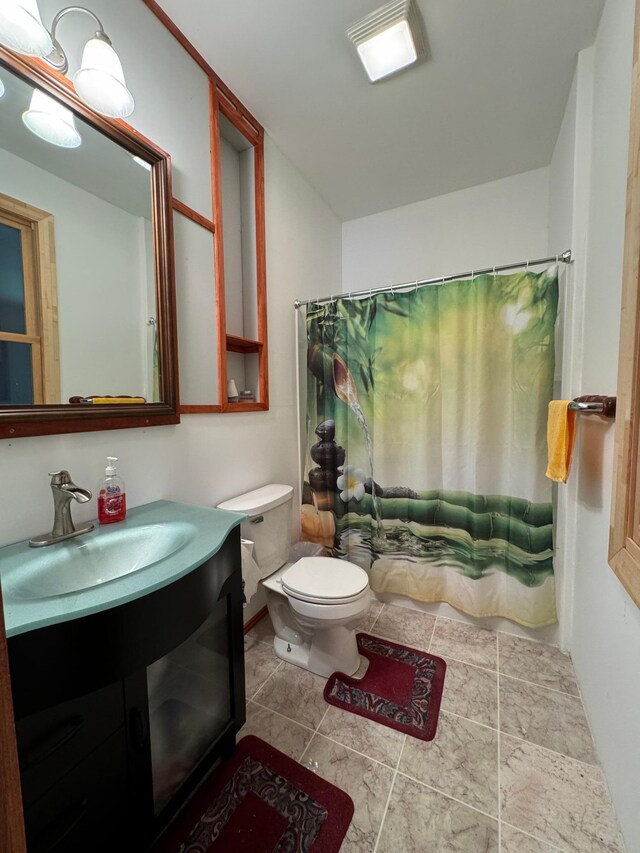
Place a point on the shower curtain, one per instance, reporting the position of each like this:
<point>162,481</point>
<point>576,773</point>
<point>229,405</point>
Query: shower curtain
<point>426,441</point>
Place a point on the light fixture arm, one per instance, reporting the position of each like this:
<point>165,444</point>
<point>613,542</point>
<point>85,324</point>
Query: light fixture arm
<point>58,58</point>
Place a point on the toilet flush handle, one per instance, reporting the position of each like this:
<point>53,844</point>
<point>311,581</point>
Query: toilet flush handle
<point>257,519</point>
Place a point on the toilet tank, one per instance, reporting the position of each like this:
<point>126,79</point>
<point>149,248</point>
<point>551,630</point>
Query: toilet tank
<point>268,524</point>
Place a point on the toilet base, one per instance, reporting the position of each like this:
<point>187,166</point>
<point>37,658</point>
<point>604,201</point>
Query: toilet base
<point>334,650</point>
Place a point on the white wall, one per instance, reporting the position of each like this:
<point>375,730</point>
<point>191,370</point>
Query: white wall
<point>493,223</point>
<point>206,458</point>
<point>605,635</point>
<point>100,258</point>
<point>569,198</point>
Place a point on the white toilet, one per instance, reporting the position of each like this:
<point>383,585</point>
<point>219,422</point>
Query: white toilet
<point>314,603</point>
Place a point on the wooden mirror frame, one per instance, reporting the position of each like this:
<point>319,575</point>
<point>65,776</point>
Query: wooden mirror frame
<point>18,421</point>
<point>624,539</point>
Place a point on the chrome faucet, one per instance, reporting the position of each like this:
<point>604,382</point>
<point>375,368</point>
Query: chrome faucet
<point>64,491</point>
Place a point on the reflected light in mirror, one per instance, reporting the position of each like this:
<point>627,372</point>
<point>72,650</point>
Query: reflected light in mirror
<point>51,121</point>
<point>1,88</point>
<point>21,28</point>
<point>100,80</point>
<point>141,162</point>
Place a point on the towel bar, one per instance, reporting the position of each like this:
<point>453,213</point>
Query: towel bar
<point>595,404</point>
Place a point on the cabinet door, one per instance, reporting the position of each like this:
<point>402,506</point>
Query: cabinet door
<point>52,742</point>
<point>88,809</point>
<point>190,703</point>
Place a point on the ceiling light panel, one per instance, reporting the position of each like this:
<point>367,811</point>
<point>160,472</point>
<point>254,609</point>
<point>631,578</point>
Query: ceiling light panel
<point>389,39</point>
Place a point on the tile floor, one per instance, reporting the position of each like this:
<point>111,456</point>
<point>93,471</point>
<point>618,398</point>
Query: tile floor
<point>512,768</point>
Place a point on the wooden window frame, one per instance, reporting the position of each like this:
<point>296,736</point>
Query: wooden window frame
<point>624,544</point>
<point>41,295</point>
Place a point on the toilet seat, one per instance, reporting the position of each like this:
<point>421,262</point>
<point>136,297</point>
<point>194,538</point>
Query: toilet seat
<point>325,580</point>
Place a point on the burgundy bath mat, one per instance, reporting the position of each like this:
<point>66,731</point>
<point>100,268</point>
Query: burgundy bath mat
<point>261,801</point>
<point>402,687</point>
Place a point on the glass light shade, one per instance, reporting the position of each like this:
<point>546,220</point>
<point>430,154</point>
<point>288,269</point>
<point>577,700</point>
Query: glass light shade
<point>51,121</point>
<point>21,28</point>
<point>388,51</point>
<point>100,81</point>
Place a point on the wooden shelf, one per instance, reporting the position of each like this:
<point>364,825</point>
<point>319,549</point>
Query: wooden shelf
<point>242,345</point>
<point>245,407</point>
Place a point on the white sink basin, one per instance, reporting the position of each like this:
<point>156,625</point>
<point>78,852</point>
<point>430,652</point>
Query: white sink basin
<point>93,560</point>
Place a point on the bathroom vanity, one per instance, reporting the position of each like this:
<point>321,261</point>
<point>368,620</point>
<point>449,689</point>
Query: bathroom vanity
<point>126,688</point>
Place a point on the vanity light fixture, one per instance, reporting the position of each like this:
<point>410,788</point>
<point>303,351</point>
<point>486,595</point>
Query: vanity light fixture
<point>21,28</point>
<point>51,121</point>
<point>388,39</point>
<point>100,79</point>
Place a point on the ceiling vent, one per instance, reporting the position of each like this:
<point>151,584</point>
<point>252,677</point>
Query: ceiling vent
<point>389,39</point>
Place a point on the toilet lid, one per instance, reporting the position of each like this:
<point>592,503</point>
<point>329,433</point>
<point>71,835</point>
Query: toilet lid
<point>324,578</point>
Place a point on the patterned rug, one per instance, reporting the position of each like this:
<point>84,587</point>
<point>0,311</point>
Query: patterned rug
<point>402,687</point>
<point>261,801</point>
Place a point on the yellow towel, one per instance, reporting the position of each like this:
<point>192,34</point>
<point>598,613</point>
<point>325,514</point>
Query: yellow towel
<point>561,433</point>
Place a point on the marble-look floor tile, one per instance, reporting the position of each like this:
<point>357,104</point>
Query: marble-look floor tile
<point>259,663</point>
<point>554,720</point>
<point>537,662</point>
<point>367,783</point>
<point>370,616</point>
<point>296,693</point>
<point>278,731</point>
<point>471,692</point>
<point>513,841</point>
<point>420,820</point>
<point>250,640</point>
<point>402,625</point>
<point>262,630</point>
<point>363,735</point>
<point>477,646</point>
<point>556,799</point>
<point>462,761</point>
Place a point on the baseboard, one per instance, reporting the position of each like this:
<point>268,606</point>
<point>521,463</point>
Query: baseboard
<point>255,619</point>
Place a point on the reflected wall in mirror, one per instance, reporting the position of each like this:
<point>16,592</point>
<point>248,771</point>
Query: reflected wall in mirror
<point>86,264</point>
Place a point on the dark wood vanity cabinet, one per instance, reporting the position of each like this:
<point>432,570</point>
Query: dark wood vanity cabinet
<point>109,705</point>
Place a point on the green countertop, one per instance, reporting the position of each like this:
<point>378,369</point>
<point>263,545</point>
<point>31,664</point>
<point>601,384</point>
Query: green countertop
<point>173,538</point>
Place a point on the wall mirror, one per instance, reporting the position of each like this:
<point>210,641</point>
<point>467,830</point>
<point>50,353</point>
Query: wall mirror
<point>87,317</point>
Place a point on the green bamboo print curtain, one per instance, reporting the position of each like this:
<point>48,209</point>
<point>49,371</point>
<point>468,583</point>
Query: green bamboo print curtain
<point>426,425</point>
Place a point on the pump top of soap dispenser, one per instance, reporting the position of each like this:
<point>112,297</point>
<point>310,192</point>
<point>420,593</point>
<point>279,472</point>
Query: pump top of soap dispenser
<point>110,470</point>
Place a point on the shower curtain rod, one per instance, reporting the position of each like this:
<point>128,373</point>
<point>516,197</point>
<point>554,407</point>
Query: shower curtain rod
<point>565,258</point>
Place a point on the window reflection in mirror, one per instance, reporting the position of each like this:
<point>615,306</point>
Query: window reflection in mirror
<point>77,278</point>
